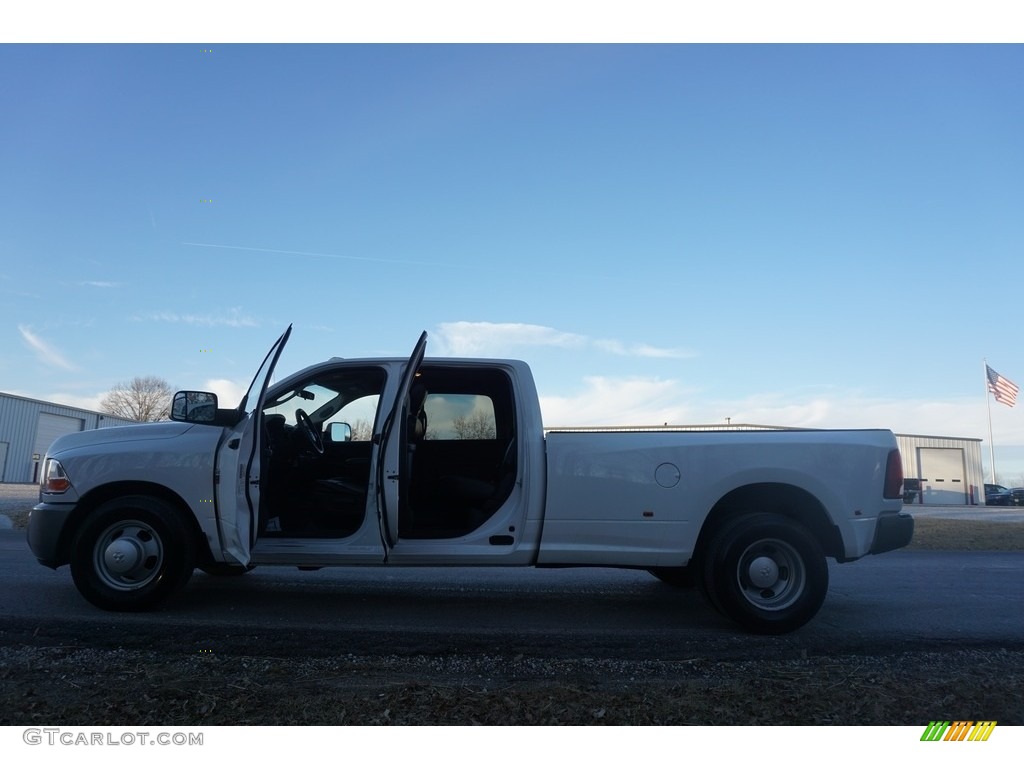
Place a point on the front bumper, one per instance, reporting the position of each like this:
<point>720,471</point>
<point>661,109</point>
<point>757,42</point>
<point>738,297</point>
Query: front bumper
<point>45,526</point>
<point>892,532</point>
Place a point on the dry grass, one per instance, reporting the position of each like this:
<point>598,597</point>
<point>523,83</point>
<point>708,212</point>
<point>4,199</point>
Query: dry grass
<point>19,517</point>
<point>124,688</point>
<point>967,535</point>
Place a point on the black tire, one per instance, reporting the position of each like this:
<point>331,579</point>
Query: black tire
<point>766,572</point>
<point>682,577</point>
<point>132,553</point>
<point>225,569</point>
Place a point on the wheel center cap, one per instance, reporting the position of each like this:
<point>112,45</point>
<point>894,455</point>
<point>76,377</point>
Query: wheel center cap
<point>121,556</point>
<point>763,572</point>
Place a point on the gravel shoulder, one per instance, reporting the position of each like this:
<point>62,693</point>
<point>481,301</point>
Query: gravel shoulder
<point>123,687</point>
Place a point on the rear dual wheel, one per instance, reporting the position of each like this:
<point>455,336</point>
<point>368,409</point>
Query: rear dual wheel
<point>765,571</point>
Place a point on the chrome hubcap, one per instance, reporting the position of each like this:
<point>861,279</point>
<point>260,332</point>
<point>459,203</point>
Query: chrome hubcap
<point>771,574</point>
<point>122,556</point>
<point>763,572</point>
<point>128,555</point>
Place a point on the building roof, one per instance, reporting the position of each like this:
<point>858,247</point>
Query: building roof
<point>63,405</point>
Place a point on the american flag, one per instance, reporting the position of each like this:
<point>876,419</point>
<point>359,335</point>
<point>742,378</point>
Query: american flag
<point>1004,390</point>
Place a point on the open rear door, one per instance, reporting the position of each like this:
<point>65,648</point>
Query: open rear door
<point>393,446</point>
<point>238,465</point>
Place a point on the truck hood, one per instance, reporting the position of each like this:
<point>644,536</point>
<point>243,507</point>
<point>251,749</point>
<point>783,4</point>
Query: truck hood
<point>163,430</point>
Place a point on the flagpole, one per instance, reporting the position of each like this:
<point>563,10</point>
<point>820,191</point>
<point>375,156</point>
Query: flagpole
<point>991,444</point>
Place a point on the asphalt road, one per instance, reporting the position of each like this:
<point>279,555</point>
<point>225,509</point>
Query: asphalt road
<point>894,602</point>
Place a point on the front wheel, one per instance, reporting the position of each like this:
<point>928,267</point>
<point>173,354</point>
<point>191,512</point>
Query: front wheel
<point>132,553</point>
<point>766,572</point>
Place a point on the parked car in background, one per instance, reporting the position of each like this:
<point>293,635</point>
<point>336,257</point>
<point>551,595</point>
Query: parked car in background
<point>996,495</point>
<point>1001,496</point>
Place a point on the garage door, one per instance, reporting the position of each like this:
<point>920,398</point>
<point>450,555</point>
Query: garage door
<point>942,475</point>
<point>51,426</point>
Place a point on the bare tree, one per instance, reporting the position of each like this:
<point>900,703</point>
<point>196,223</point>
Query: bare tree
<point>479,426</point>
<point>362,430</point>
<point>1011,481</point>
<point>144,398</point>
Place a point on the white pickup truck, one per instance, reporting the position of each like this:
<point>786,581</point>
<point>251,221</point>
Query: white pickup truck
<point>445,462</point>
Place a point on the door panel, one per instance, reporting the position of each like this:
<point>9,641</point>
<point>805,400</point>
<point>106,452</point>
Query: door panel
<point>393,470</point>
<point>239,462</point>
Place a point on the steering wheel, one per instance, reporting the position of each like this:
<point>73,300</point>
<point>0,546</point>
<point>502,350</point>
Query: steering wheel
<point>309,431</point>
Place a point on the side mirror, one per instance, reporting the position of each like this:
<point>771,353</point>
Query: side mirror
<point>194,407</point>
<point>339,432</point>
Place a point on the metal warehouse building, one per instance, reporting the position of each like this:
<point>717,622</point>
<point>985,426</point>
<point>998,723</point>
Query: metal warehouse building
<point>947,468</point>
<point>27,427</point>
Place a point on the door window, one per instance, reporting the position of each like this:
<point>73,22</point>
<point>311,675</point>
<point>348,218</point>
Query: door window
<point>459,417</point>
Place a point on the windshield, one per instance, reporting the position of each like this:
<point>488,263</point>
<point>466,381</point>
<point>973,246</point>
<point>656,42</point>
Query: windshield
<point>349,396</point>
<point>259,381</point>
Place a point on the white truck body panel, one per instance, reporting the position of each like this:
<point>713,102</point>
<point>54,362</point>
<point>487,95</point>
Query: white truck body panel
<point>769,504</point>
<point>640,498</point>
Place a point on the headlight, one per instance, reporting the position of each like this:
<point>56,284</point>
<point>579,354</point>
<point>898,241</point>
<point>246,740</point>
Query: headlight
<point>55,479</point>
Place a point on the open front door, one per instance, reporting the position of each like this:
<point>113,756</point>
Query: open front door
<point>238,465</point>
<point>392,443</point>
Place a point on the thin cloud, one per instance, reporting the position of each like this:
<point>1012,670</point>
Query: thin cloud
<point>641,350</point>
<point>642,401</point>
<point>44,351</point>
<point>472,339</point>
<point>466,339</point>
<point>100,284</point>
<point>235,319</point>
<point>86,402</point>
<point>229,393</point>
<point>307,253</point>
<point>965,417</point>
<point>616,401</point>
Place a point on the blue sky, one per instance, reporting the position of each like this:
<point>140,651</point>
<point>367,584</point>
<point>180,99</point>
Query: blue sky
<point>806,235</point>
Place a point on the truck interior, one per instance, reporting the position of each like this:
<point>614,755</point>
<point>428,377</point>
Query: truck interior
<point>458,465</point>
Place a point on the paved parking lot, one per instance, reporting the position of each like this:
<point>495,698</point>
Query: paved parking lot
<point>17,494</point>
<point>16,497</point>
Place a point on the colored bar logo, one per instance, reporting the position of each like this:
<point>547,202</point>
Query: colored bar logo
<point>959,730</point>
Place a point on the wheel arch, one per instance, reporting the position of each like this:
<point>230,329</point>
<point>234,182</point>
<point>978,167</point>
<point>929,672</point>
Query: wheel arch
<point>104,493</point>
<point>783,499</point>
